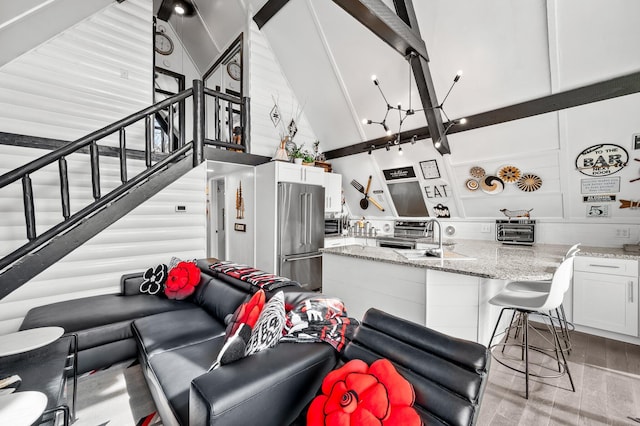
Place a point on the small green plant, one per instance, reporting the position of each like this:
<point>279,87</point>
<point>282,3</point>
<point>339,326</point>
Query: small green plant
<point>307,157</point>
<point>297,151</point>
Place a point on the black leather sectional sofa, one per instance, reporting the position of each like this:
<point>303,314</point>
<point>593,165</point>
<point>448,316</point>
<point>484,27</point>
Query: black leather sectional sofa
<point>176,343</point>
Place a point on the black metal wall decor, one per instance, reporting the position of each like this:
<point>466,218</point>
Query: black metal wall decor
<point>441,211</point>
<point>602,160</point>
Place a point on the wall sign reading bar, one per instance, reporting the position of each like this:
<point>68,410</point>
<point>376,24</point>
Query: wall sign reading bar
<point>602,160</point>
<point>399,173</point>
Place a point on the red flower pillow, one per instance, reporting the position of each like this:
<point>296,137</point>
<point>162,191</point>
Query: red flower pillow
<point>239,329</point>
<point>247,313</point>
<point>356,394</point>
<point>182,280</point>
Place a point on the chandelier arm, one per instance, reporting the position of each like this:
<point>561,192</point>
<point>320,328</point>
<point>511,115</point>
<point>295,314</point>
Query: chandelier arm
<point>383,96</point>
<point>447,95</point>
<point>445,115</point>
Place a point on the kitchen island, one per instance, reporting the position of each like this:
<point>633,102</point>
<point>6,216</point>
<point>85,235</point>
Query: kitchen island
<point>450,295</point>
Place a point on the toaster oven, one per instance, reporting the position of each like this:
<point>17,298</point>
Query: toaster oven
<point>516,232</point>
<point>332,227</point>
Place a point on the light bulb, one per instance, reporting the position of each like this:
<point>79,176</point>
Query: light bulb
<point>179,9</point>
<point>399,150</point>
<point>459,73</point>
<point>388,132</point>
<point>438,144</point>
<point>365,121</point>
<point>399,105</point>
<point>462,120</point>
<point>373,77</point>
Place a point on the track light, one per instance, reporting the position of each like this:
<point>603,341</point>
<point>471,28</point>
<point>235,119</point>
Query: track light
<point>371,148</point>
<point>399,150</point>
<point>414,139</point>
<point>388,147</point>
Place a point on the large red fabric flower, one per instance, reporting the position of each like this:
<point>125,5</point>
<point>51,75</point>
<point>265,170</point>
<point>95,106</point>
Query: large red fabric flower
<point>182,281</point>
<point>356,394</point>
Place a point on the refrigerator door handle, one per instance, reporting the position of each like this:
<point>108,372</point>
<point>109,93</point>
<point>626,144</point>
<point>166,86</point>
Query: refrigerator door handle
<point>303,224</point>
<point>302,257</point>
<point>310,221</point>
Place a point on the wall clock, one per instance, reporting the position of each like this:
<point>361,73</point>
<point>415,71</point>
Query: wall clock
<point>234,70</point>
<point>163,44</point>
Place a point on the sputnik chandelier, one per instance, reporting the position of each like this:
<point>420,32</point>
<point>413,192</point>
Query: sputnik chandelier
<point>404,113</point>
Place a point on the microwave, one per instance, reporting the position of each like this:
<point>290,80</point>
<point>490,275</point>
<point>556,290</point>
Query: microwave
<point>332,227</point>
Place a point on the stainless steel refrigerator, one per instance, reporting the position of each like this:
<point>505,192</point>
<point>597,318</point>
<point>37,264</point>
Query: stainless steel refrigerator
<point>301,233</point>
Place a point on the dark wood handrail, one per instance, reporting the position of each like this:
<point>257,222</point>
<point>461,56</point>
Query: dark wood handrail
<point>91,208</point>
<point>89,142</point>
<point>53,156</point>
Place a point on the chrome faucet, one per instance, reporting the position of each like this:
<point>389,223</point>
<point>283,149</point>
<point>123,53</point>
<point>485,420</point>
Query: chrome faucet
<point>439,252</point>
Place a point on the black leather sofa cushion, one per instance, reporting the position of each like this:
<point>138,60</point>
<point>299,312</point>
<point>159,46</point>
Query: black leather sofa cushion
<point>220,299</point>
<point>169,330</point>
<point>448,374</point>
<point>175,369</point>
<point>270,387</point>
<point>90,312</point>
<point>96,336</point>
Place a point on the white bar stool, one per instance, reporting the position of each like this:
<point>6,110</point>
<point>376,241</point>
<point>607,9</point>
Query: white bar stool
<point>526,303</point>
<point>543,287</point>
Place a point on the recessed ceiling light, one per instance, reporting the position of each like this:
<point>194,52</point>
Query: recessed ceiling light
<point>179,9</point>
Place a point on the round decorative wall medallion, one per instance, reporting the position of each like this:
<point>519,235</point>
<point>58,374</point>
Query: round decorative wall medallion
<point>529,183</point>
<point>492,185</point>
<point>477,172</point>
<point>509,174</point>
<point>472,184</point>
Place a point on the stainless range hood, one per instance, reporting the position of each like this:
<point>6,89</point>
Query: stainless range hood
<point>407,197</point>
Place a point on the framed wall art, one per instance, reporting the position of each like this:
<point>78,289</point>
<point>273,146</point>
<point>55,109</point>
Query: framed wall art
<point>430,169</point>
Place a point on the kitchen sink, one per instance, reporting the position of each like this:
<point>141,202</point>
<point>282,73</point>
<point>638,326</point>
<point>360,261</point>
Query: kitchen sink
<point>416,254</point>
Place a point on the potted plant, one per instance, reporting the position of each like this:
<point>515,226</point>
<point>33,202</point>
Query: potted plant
<point>297,153</point>
<point>308,158</point>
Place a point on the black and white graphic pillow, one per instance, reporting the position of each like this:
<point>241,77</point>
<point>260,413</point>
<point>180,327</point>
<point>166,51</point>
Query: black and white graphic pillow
<point>268,330</point>
<point>154,279</point>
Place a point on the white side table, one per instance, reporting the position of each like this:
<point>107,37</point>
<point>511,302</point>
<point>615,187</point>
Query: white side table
<point>22,408</point>
<point>26,340</point>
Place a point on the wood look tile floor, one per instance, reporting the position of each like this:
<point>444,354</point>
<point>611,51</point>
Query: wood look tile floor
<point>606,374</point>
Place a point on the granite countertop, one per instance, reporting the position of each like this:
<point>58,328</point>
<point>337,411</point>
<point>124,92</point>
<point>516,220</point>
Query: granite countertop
<point>487,259</point>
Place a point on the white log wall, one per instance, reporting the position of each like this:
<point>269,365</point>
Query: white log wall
<point>266,83</point>
<point>85,78</point>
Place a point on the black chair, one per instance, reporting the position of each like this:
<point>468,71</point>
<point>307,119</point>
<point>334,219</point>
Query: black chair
<point>449,375</point>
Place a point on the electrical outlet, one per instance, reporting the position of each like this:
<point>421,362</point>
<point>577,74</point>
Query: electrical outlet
<point>485,227</point>
<point>623,232</point>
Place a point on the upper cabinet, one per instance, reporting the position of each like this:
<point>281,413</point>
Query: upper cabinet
<point>289,172</point>
<point>332,193</point>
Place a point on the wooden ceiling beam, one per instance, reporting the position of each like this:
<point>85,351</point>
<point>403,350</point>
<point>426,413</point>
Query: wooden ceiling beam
<point>596,92</point>
<point>268,11</point>
<point>383,22</point>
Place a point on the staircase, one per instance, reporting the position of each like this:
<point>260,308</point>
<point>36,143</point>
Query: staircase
<point>43,249</point>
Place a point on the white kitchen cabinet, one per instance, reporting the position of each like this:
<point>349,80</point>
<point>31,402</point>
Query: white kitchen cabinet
<point>332,193</point>
<point>289,172</point>
<point>605,294</point>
